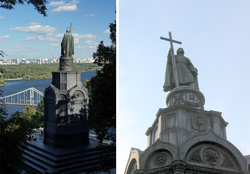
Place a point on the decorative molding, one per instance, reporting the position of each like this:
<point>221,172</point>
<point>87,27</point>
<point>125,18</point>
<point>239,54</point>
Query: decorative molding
<point>199,123</point>
<point>66,63</point>
<point>77,95</point>
<point>195,157</point>
<point>227,163</point>
<point>170,121</point>
<point>185,96</point>
<point>160,170</point>
<point>160,158</point>
<point>211,156</point>
<point>132,167</point>
<point>179,166</point>
<point>198,170</point>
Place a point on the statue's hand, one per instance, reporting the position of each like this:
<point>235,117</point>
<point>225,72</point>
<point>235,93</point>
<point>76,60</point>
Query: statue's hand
<point>195,72</point>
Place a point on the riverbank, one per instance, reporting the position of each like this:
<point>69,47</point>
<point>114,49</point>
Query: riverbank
<point>41,71</point>
<point>13,79</point>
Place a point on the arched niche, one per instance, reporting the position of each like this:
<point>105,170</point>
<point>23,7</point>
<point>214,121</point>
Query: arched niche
<point>159,158</point>
<point>212,155</point>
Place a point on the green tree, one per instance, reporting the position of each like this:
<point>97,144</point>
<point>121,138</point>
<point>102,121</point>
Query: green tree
<point>102,103</point>
<point>29,112</point>
<point>14,137</point>
<point>35,116</point>
<point>38,118</point>
<point>40,5</point>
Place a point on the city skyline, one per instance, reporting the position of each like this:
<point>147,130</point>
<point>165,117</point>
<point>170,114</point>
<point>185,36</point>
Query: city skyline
<point>33,36</point>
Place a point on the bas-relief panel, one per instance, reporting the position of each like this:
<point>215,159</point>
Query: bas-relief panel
<point>158,158</point>
<point>208,154</point>
<point>170,121</point>
<point>199,122</point>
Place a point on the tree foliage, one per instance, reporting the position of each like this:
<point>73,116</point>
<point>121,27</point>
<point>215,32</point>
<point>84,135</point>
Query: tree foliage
<point>14,136</point>
<point>38,118</point>
<point>102,99</point>
<point>35,116</point>
<point>41,71</point>
<point>15,133</point>
<point>40,5</point>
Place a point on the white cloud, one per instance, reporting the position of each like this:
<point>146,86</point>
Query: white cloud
<point>25,47</point>
<point>80,47</point>
<point>90,42</point>
<point>1,17</point>
<point>4,37</point>
<point>92,47</point>
<point>60,35</point>
<point>106,31</point>
<point>33,24</point>
<point>40,38</point>
<point>74,2</point>
<point>56,3</point>
<point>35,28</point>
<point>92,15</point>
<point>54,45</point>
<point>21,46</point>
<point>87,36</point>
<point>76,40</point>
<point>65,8</point>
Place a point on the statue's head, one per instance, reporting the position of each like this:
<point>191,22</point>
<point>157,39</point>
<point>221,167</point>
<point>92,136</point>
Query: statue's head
<point>180,51</point>
<point>67,31</point>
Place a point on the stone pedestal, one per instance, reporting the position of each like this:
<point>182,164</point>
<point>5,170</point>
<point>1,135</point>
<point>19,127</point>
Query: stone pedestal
<point>66,63</point>
<point>66,108</point>
<point>185,95</point>
<point>185,138</point>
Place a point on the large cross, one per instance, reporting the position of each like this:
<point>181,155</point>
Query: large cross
<point>173,57</point>
<point>70,27</point>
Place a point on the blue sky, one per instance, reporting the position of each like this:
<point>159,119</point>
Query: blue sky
<point>25,33</point>
<point>215,35</point>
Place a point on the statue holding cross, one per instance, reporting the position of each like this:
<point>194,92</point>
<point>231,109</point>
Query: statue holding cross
<point>179,69</point>
<point>67,45</point>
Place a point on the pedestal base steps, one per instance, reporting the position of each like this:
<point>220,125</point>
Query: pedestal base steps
<point>49,160</point>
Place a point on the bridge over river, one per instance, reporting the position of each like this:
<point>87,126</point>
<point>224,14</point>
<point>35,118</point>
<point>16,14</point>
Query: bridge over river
<point>30,96</point>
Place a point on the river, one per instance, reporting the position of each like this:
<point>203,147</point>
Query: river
<point>20,85</point>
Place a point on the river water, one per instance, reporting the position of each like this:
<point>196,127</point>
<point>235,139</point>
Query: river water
<point>41,85</point>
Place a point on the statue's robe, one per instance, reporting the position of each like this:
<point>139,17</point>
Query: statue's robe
<point>186,73</point>
<point>67,45</point>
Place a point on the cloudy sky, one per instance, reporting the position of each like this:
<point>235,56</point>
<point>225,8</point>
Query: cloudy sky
<point>24,33</point>
<point>215,35</point>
